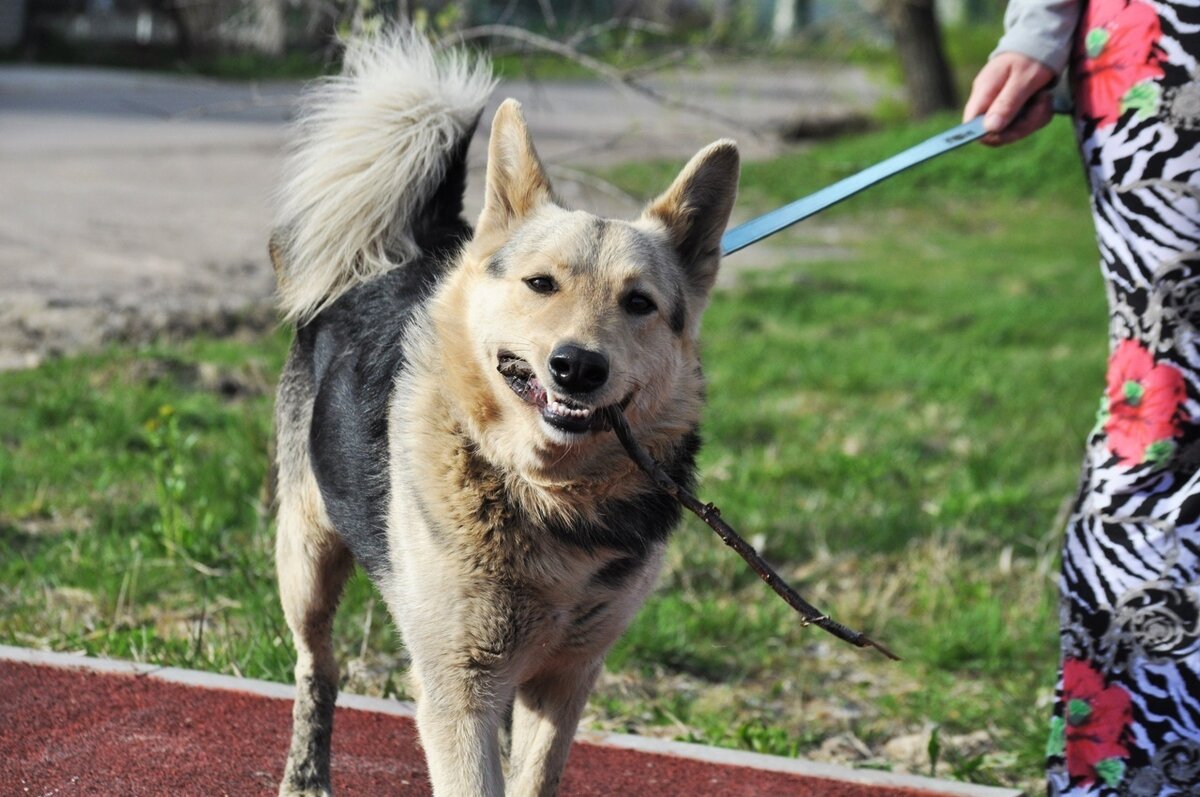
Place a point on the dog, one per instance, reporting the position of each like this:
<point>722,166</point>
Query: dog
<point>439,421</point>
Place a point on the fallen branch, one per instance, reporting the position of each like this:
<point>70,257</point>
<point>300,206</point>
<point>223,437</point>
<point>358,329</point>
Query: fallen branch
<point>712,516</point>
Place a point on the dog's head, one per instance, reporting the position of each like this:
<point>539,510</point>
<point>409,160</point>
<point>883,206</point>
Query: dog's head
<point>569,313</point>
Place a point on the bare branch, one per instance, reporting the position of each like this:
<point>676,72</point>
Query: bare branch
<point>548,14</point>
<point>592,181</point>
<point>711,515</point>
<point>660,63</point>
<point>630,23</point>
<point>620,78</point>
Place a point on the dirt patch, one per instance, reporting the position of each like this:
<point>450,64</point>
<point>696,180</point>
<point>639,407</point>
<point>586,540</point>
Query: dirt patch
<point>37,328</point>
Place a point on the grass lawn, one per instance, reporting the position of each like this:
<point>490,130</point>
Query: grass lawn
<point>897,429</point>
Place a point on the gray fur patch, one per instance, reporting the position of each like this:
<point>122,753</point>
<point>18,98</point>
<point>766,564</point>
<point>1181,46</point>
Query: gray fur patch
<point>497,265</point>
<point>677,315</point>
<point>614,574</point>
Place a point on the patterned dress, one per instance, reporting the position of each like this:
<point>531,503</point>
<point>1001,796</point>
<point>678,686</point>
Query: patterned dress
<point>1127,717</point>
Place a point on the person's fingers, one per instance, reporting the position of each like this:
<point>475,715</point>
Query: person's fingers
<point>1008,103</point>
<point>1036,114</point>
<point>1001,91</point>
<point>985,87</point>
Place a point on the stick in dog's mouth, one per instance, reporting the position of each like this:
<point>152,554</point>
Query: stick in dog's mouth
<point>561,412</point>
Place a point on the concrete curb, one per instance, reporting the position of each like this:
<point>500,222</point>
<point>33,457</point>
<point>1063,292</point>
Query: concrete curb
<point>642,744</point>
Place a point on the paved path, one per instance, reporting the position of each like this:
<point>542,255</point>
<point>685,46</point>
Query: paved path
<point>74,726</point>
<point>134,203</point>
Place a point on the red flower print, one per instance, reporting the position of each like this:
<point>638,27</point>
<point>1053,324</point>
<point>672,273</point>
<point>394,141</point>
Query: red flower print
<point>1096,718</point>
<point>1116,49</point>
<point>1143,405</point>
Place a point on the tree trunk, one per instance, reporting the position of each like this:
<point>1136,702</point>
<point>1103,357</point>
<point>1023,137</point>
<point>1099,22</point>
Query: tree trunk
<point>927,77</point>
<point>788,17</point>
<point>183,36</point>
<point>783,21</point>
<point>270,33</point>
<point>201,19</point>
<point>722,18</point>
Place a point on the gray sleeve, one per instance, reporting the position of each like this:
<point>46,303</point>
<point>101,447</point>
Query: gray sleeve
<point>1040,29</point>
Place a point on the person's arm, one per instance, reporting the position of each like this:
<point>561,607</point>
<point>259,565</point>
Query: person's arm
<point>1041,30</point>
<point>1009,89</point>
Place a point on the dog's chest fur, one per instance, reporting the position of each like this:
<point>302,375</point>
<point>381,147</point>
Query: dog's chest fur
<point>525,582</point>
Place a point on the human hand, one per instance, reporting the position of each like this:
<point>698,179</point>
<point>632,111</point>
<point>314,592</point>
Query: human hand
<point>1009,91</point>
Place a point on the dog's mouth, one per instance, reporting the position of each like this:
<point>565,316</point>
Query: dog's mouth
<point>561,412</point>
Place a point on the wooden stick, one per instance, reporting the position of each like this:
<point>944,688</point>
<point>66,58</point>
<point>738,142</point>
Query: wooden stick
<point>711,515</point>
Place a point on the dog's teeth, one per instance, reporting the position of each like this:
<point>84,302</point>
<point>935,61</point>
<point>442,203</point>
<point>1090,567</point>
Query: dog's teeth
<point>558,408</point>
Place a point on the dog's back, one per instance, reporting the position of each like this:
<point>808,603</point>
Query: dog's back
<point>370,217</point>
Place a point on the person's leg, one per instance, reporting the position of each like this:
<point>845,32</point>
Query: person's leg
<point>1127,715</point>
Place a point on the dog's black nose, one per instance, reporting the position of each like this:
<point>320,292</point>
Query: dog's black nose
<point>578,370</point>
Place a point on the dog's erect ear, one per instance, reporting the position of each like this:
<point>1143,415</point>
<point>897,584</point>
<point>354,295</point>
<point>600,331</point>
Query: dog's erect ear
<point>516,181</point>
<point>695,210</point>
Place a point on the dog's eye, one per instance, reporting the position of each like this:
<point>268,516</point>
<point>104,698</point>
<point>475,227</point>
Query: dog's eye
<point>542,284</point>
<point>639,304</point>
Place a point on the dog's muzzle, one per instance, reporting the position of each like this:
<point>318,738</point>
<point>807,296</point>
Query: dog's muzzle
<point>562,412</point>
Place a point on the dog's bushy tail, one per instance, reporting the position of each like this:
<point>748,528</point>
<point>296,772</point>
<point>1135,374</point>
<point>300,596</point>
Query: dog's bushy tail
<point>370,147</point>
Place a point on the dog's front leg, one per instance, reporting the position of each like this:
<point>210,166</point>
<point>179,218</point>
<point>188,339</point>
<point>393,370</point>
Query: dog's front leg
<point>545,715</point>
<point>459,710</point>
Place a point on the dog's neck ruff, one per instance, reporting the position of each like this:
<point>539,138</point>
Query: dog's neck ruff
<point>518,513</point>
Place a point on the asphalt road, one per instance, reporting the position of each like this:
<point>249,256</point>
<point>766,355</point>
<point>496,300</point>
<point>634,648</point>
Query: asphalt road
<point>133,204</point>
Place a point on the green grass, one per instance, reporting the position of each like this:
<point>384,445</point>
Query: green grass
<point>896,429</point>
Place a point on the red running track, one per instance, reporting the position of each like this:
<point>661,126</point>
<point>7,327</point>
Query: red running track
<point>66,731</point>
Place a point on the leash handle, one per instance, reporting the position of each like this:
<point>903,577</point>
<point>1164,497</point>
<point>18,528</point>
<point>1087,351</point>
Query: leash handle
<point>781,218</point>
<point>770,223</point>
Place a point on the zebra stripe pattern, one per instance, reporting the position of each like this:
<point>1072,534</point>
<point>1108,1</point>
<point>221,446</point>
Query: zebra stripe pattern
<point>1127,714</point>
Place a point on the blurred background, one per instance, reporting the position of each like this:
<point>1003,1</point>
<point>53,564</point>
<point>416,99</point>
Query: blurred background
<point>899,387</point>
<point>143,138</point>
<point>223,36</point>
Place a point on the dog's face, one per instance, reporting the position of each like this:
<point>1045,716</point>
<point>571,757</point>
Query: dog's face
<point>568,313</point>
<point>578,314</point>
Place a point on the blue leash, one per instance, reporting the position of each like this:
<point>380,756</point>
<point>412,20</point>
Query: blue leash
<point>781,218</point>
